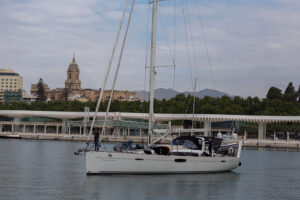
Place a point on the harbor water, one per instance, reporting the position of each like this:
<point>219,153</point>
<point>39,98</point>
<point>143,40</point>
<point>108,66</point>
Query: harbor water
<point>46,170</point>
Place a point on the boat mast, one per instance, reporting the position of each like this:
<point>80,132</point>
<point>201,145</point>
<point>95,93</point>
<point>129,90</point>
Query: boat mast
<point>152,71</point>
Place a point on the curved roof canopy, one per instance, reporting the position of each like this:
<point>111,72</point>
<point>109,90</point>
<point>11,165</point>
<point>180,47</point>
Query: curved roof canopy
<point>158,117</point>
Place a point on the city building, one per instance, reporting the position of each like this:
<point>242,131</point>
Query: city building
<point>12,82</point>
<point>12,96</point>
<point>28,98</point>
<point>73,91</point>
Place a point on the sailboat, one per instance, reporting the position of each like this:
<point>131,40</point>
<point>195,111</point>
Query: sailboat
<point>186,154</point>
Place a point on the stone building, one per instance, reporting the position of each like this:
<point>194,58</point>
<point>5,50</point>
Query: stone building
<point>73,90</point>
<point>34,89</point>
<point>73,83</point>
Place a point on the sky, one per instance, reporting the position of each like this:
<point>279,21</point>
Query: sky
<point>251,45</point>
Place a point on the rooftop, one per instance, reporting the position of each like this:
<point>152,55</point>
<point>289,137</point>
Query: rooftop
<point>8,72</point>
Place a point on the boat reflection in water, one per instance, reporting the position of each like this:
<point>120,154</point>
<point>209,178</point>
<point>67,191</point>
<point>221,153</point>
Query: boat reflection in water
<point>211,186</point>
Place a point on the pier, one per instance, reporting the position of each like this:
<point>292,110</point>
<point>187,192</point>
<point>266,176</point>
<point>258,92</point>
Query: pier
<point>133,126</point>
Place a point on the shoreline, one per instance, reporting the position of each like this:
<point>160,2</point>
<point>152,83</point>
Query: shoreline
<point>292,144</point>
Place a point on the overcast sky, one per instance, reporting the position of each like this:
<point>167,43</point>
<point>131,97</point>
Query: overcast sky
<point>252,45</point>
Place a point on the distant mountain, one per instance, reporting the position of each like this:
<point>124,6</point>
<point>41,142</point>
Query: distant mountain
<point>162,93</point>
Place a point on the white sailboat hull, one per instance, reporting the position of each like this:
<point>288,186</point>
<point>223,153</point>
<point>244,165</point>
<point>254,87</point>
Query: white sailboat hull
<point>135,163</point>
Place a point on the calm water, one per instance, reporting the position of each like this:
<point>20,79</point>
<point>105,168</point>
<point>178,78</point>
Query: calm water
<point>50,170</point>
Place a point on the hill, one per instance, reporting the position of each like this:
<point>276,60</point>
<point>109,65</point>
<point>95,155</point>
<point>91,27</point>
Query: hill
<point>162,93</point>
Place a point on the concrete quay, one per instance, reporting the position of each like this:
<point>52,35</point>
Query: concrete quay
<point>291,144</point>
<point>79,138</point>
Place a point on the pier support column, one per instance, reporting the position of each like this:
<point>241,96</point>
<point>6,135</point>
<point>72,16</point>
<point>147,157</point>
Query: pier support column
<point>24,128</point>
<point>262,130</point>
<point>69,130</point>
<point>45,129</point>
<point>274,136</point>
<point>128,131</point>
<point>34,128</point>
<point>63,128</point>
<point>288,136</point>
<point>170,128</point>
<point>245,135</point>
<point>117,131</point>
<point>207,127</point>
<point>80,130</point>
<point>140,132</point>
<point>0,128</point>
<point>56,129</point>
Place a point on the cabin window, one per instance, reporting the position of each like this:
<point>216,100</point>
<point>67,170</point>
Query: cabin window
<point>189,144</point>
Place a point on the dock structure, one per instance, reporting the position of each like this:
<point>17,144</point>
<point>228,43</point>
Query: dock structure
<point>126,124</point>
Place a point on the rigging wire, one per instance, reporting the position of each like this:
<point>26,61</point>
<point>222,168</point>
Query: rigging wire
<point>189,56</point>
<point>187,43</point>
<point>118,66</point>
<point>192,44</point>
<point>108,70</point>
<point>205,45</point>
<point>169,46</point>
<point>194,104</point>
<point>165,35</point>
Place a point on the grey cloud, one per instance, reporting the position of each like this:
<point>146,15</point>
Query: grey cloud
<point>252,47</point>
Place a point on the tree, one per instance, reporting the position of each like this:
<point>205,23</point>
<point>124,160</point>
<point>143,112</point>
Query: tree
<point>290,94</point>
<point>274,93</point>
<point>298,93</point>
<point>41,91</point>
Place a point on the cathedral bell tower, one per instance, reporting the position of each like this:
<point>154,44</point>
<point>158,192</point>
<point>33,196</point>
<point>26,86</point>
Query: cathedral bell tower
<point>73,84</point>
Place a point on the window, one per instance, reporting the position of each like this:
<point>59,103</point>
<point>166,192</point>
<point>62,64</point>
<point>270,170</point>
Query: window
<point>189,144</point>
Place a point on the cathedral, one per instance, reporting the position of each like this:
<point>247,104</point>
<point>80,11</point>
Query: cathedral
<point>73,91</point>
<point>73,84</point>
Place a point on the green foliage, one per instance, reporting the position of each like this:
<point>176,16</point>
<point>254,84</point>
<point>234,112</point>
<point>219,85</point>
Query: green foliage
<point>178,104</point>
<point>274,93</point>
<point>41,91</point>
<point>298,93</point>
<point>272,105</point>
<point>290,94</point>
